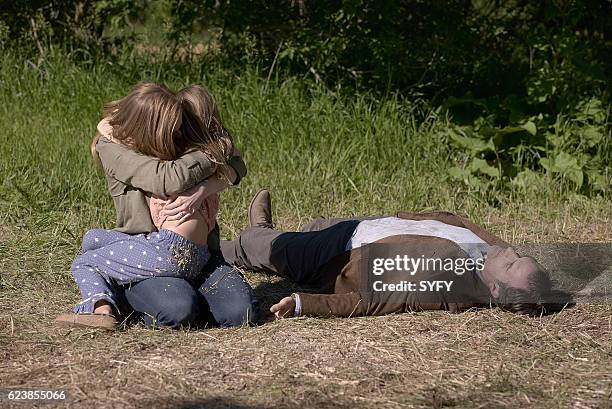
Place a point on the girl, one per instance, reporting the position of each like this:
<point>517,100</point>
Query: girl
<point>151,121</point>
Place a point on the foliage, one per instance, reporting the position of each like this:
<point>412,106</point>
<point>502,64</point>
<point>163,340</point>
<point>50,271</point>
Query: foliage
<point>526,84</point>
<point>550,54</point>
<point>574,150</point>
<point>85,26</point>
<point>440,48</point>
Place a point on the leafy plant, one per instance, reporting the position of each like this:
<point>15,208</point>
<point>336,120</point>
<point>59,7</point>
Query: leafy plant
<point>87,26</point>
<point>574,150</point>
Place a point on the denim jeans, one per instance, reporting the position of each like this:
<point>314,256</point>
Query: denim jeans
<point>222,297</point>
<point>112,259</point>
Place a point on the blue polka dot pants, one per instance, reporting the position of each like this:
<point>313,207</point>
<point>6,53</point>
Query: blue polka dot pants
<point>110,259</point>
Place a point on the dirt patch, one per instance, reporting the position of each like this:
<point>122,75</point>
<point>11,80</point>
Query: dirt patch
<point>5,233</point>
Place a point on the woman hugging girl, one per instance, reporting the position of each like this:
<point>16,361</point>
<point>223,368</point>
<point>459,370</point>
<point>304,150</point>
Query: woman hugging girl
<point>166,156</point>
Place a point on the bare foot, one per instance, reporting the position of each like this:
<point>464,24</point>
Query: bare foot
<point>284,308</point>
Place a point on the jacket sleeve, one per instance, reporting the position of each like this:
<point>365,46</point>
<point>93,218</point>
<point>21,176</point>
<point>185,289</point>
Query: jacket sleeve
<point>162,178</point>
<point>332,305</point>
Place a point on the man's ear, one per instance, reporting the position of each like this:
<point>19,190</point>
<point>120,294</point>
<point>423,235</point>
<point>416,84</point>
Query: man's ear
<point>494,289</point>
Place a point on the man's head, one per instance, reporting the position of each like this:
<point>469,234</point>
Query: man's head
<point>518,284</point>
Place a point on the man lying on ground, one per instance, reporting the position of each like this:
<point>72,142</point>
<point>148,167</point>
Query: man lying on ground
<point>382,265</point>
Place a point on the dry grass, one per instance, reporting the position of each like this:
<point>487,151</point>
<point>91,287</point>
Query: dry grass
<point>320,155</point>
<point>482,359</point>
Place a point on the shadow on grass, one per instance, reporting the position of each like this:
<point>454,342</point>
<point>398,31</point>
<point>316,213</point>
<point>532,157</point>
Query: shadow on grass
<point>582,272</point>
<point>269,293</point>
<point>207,403</point>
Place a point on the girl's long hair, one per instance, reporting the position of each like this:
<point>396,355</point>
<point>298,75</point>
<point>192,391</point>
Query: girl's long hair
<point>217,142</point>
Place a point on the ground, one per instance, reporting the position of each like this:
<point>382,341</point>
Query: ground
<point>320,154</point>
<point>481,359</point>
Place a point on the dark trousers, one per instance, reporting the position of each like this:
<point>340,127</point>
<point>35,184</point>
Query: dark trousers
<point>223,298</point>
<point>297,255</point>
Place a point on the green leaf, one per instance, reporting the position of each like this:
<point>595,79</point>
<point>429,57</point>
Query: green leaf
<point>564,162</point>
<point>481,166</point>
<point>473,144</point>
<point>553,138</point>
<point>598,181</point>
<point>527,179</point>
<point>530,127</point>
<point>591,135</point>
<point>491,131</point>
<point>459,173</point>
<point>547,164</point>
<point>576,176</point>
<point>565,165</point>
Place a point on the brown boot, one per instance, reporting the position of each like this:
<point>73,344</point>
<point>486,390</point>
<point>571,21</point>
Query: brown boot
<point>260,210</point>
<point>88,320</point>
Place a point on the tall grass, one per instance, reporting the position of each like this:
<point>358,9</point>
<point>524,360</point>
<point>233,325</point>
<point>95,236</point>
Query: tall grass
<point>319,153</point>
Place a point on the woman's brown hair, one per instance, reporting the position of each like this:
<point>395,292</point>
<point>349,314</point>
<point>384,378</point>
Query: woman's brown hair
<point>148,120</point>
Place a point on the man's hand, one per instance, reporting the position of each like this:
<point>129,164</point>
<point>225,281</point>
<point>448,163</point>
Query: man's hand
<point>284,308</point>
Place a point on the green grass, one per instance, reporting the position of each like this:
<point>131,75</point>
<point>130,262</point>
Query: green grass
<point>319,154</point>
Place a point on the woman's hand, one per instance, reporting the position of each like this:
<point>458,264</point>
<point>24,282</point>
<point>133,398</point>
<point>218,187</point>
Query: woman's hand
<point>106,130</point>
<point>183,206</point>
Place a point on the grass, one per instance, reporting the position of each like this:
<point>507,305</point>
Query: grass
<point>319,154</point>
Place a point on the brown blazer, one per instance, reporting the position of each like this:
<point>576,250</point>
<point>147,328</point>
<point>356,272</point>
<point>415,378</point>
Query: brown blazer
<point>348,284</point>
